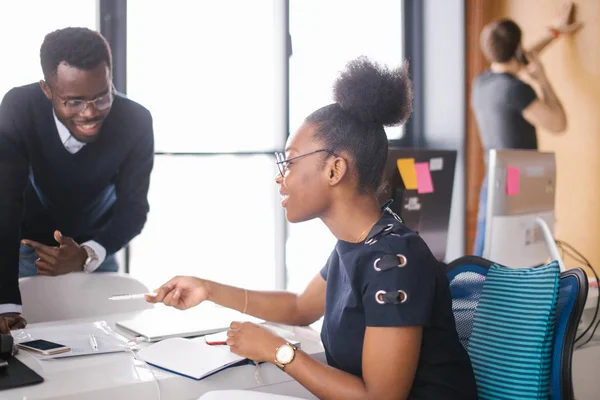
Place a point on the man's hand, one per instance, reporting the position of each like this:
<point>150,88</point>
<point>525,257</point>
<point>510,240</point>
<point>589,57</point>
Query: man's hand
<point>10,321</point>
<point>67,257</point>
<point>564,21</point>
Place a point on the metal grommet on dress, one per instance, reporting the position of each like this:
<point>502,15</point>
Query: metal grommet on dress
<point>402,296</point>
<point>397,297</point>
<point>398,260</point>
<point>375,267</point>
<point>402,260</point>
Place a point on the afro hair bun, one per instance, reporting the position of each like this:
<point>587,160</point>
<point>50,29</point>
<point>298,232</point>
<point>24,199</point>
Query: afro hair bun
<point>373,93</point>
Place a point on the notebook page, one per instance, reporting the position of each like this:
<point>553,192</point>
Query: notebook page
<point>192,358</point>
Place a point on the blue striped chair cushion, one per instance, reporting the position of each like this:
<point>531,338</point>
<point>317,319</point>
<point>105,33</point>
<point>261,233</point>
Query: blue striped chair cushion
<point>513,328</point>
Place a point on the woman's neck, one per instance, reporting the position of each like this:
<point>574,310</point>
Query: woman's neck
<point>351,220</point>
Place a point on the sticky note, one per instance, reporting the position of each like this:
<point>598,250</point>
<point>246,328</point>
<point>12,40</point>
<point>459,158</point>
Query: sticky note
<point>513,181</point>
<point>436,164</point>
<point>406,167</point>
<point>424,183</point>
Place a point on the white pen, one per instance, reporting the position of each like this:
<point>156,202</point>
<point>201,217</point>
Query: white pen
<point>131,296</point>
<point>93,342</point>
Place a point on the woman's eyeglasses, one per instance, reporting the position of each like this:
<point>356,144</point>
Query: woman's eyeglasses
<point>283,163</point>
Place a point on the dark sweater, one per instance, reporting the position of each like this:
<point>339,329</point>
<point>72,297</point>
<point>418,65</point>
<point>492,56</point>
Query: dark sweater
<point>98,193</point>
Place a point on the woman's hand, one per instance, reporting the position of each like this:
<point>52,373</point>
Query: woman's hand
<point>181,292</point>
<point>253,341</point>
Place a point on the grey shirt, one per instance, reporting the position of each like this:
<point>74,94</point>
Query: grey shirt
<point>498,100</point>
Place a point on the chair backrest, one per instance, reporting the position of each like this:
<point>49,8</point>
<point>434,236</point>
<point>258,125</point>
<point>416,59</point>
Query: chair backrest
<point>466,276</point>
<point>572,295</point>
<point>78,295</point>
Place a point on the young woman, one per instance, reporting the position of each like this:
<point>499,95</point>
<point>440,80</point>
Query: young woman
<point>388,330</point>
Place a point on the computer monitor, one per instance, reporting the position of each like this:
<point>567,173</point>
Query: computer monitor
<point>424,209</point>
<point>521,192</point>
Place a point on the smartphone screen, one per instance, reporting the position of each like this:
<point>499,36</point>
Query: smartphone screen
<point>41,344</point>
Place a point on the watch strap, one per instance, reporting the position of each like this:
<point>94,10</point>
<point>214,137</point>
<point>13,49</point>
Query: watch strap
<point>92,259</point>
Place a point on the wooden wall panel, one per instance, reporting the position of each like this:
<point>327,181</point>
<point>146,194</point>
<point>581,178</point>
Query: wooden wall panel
<point>573,66</point>
<point>477,14</point>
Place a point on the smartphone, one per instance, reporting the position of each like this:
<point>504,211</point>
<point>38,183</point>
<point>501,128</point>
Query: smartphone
<point>521,57</point>
<point>43,347</point>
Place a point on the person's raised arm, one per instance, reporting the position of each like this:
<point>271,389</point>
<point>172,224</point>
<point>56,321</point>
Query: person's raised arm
<point>184,292</point>
<point>562,25</point>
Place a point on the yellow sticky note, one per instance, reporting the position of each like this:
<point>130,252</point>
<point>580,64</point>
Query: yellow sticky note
<point>406,167</point>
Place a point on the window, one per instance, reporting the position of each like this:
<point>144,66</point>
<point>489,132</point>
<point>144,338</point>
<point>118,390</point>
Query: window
<point>215,217</point>
<point>25,23</point>
<point>325,36</point>
<point>209,71</point>
<point>212,74</point>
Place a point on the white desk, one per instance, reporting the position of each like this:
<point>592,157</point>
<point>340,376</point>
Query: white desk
<point>121,376</point>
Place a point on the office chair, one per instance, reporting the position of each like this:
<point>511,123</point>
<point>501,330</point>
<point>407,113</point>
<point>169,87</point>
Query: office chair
<point>572,295</point>
<point>466,276</point>
<point>78,295</point>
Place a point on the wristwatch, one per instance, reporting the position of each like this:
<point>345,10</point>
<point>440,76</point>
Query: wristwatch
<point>284,355</point>
<point>90,262</point>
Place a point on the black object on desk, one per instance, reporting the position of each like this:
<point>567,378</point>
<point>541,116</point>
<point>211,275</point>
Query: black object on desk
<point>15,374</point>
<point>6,346</point>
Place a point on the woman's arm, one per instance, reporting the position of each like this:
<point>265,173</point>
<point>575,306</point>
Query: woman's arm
<point>184,292</point>
<point>389,362</point>
<point>275,306</point>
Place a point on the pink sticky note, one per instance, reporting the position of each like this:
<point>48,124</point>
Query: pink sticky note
<point>513,181</point>
<point>424,183</point>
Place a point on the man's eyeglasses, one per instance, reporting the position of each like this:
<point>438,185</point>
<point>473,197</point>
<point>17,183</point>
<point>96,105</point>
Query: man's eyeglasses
<point>77,106</point>
<point>283,163</point>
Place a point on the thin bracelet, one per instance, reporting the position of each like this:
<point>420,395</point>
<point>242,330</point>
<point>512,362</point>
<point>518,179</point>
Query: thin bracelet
<point>245,301</point>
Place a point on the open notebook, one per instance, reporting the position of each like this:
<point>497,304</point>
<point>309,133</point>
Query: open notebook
<point>194,358</point>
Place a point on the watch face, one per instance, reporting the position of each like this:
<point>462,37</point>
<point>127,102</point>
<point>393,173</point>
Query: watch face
<point>285,354</point>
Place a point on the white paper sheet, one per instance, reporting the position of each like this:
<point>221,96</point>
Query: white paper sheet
<point>75,336</point>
